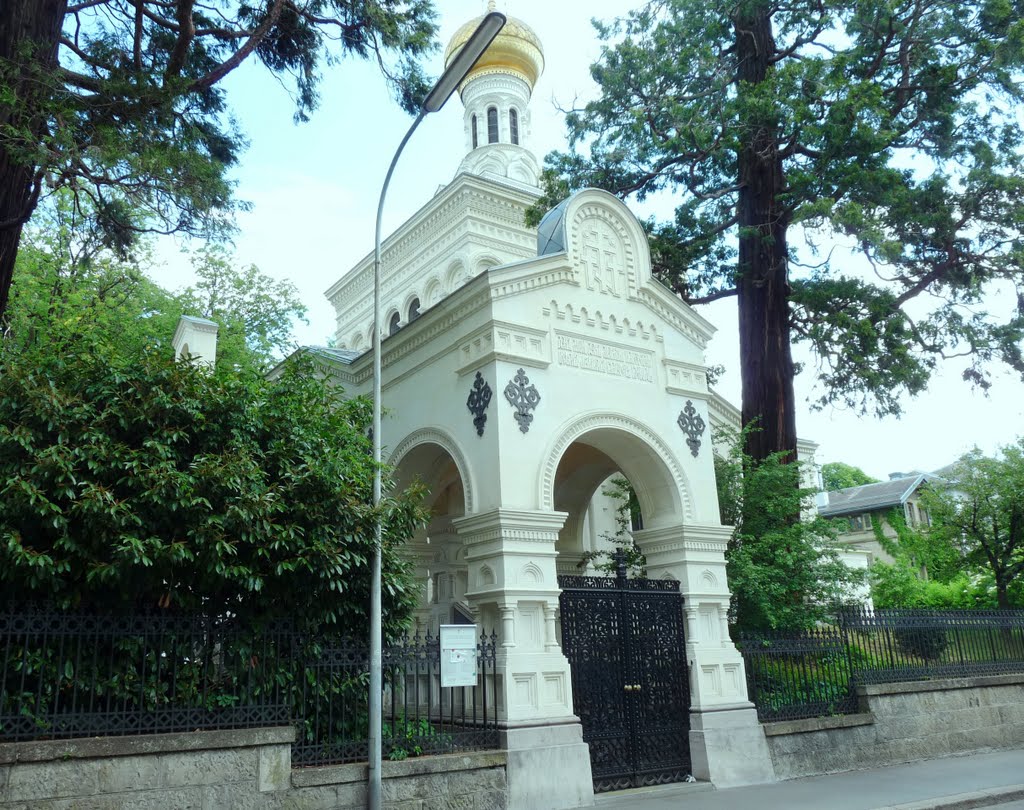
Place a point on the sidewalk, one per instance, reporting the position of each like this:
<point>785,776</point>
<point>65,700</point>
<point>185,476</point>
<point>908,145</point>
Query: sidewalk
<point>971,781</point>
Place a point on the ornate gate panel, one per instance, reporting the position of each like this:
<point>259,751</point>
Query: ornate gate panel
<point>624,641</point>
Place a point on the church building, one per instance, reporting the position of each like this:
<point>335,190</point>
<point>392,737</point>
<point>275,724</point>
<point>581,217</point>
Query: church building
<point>522,368</point>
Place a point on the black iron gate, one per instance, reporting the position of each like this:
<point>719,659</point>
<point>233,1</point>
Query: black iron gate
<point>624,640</point>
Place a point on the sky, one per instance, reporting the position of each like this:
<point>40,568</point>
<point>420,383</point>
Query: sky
<point>314,188</point>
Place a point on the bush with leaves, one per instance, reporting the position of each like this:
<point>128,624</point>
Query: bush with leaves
<point>784,573</point>
<point>129,483</point>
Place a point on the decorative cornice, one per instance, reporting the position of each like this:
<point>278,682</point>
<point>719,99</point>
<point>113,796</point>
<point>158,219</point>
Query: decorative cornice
<point>685,379</point>
<point>520,525</point>
<point>601,320</point>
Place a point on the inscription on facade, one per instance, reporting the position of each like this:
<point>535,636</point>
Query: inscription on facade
<point>616,361</point>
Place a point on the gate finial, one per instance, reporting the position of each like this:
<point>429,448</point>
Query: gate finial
<point>620,566</point>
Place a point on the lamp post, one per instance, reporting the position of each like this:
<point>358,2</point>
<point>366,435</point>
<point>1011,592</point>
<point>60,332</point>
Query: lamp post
<point>452,77</point>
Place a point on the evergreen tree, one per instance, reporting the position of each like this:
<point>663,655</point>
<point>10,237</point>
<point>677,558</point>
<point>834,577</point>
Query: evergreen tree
<point>121,102</point>
<point>891,127</point>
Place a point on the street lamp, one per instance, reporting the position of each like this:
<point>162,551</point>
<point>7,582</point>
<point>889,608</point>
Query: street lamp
<point>452,77</point>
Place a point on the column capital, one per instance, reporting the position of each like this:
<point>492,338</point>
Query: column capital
<point>699,537</point>
<point>512,525</point>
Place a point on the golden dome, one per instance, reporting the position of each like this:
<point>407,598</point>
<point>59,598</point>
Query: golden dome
<point>515,50</point>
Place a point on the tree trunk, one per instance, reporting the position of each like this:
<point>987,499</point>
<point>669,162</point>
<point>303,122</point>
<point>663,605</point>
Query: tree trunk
<point>766,361</point>
<point>29,37</point>
<point>1002,593</point>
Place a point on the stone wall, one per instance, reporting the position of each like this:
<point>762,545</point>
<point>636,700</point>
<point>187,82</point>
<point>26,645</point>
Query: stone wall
<point>231,770</point>
<point>902,722</point>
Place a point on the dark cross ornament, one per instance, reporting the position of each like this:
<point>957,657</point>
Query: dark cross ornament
<point>524,397</point>
<point>691,423</point>
<point>479,399</point>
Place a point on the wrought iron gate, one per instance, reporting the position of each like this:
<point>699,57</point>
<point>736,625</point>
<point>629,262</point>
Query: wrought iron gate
<point>624,640</point>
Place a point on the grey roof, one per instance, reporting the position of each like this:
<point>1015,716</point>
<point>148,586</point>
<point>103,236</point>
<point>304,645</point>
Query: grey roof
<point>197,319</point>
<point>340,355</point>
<point>869,497</point>
<point>551,231</point>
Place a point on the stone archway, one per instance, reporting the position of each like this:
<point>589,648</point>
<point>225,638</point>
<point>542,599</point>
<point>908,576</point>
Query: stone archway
<point>433,458</point>
<point>594,446</point>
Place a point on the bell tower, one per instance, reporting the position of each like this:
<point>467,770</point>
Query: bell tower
<point>496,97</point>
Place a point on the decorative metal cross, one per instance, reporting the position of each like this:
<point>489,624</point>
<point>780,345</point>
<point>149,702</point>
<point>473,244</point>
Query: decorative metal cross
<point>523,397</point>
<point>691,423</point>
<point>479,399</point>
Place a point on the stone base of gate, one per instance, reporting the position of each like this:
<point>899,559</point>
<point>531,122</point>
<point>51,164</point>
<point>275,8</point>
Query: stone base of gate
<point>548,765</point>
<point>728,747</point>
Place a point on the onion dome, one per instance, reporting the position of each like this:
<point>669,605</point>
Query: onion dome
<point>516,50</point>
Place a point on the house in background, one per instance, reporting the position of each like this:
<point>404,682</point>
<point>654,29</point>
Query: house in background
<point>861,505</point>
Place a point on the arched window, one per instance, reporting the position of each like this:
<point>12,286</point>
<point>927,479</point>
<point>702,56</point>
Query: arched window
<point>492,125</point>
<point>473,125</point>
<point>414,310</point>
<point>513,125</point>
<point>393,324</point>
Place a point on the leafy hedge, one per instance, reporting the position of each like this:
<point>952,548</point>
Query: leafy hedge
<point>129,484</point>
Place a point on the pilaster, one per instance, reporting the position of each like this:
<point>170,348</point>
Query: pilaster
<point>513,586</point>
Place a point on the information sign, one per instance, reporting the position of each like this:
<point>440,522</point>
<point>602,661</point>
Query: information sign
<point>458,654</point>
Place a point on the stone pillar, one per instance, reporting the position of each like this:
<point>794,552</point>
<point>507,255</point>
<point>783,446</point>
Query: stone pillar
<point>513,587</point>
<point>727,744</point>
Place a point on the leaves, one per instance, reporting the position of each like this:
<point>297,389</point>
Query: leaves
<point>133,482</point>
<point>784,573</point>
<point>899,161</point>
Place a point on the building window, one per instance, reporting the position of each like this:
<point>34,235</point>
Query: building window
<point>513,125</point>
<point>860,523</point>
<point>394,323</point>
<point>492,125</point>
<point>414,310</point>
<point>473,124</point>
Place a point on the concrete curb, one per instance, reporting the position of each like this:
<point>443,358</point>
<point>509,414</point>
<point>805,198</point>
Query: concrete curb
<point>965,801</point>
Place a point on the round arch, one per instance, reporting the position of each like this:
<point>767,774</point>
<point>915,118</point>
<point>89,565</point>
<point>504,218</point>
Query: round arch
<point>650,465</point>
<point>422,438</point>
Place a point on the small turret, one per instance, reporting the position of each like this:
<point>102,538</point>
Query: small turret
<point>496,97</point>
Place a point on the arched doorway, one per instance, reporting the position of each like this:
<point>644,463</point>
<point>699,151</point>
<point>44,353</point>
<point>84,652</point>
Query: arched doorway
<point>623,637</point>
<point>432,458</point>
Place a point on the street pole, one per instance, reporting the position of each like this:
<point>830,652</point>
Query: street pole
<point>452,77</point>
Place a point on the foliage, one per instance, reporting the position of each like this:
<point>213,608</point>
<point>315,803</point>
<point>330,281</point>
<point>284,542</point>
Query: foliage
<point>838,475</point>
<point>900,586</point>
<point>979,509</point>
<point>123,103</point>
<point>890,129</point>
<point>627,514</point>
<point>255,312</point>
<point>918,548</point>
<point>140,482</point>
<point>783,573</point>
<point>71,286</point>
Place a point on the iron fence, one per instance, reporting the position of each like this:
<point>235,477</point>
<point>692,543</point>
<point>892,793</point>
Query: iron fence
<point>901,644</point>
<point>815,673</point>
<point>420,716</point>
<point>73,674</point>
<point>790,676</point>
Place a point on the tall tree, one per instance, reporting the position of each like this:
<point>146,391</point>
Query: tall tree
<point>888,127</point>
<point>120,100</point>
<point>979,508</point>
<point>71,287</point>
<point>839,475</point>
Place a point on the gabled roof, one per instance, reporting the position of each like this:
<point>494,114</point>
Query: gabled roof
<point>869,497</point>
<point>341,355</point>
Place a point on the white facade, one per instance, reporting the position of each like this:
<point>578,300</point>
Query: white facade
<point>591,365</point>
